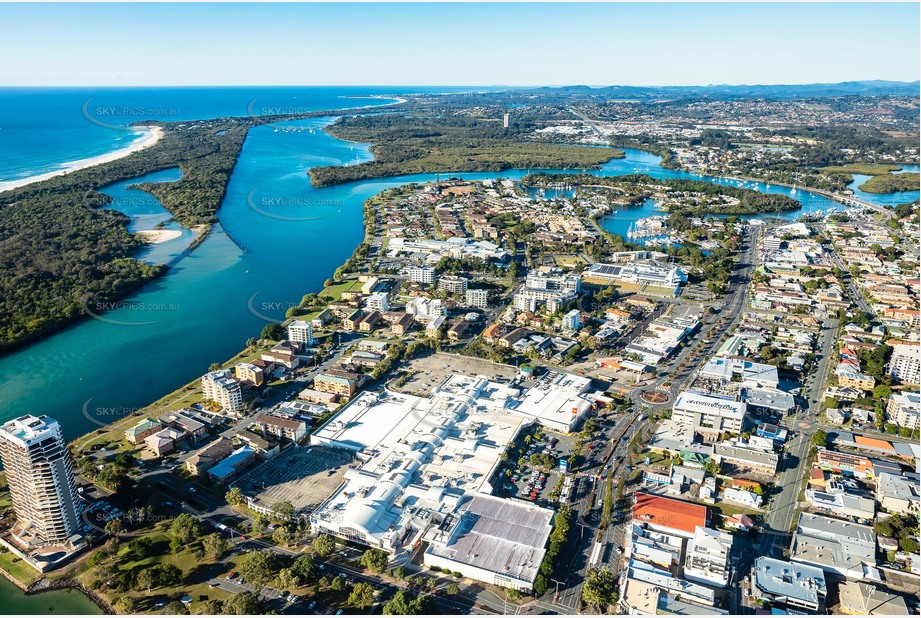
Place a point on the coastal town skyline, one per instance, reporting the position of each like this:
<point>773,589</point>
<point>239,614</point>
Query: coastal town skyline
<point>644,44</point>
<point>629,326</point>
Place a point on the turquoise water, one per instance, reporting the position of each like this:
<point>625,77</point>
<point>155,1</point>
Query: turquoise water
<point>279,238</point>
<point>58,602</point>
<point>146,213</point>
<point>44,129</point>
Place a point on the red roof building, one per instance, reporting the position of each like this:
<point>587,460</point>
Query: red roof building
<point>669,515</point>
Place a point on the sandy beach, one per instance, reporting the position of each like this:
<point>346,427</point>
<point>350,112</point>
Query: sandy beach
<point>155,237</point>
<point>151,136</point>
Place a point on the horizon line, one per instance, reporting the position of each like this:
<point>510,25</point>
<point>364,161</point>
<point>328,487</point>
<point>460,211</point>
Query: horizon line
<point>523,86</point>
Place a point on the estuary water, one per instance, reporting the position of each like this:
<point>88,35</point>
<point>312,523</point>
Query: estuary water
<point>53,602</point>
<point>278,239</point>
<point>885,199</point>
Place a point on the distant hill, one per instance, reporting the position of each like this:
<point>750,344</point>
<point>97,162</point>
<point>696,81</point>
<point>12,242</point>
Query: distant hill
<point>774,91</point>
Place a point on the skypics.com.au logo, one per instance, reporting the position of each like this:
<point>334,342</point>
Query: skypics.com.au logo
<point>286,207</point>
<point>96,308</point>
<point>108,116</point>
<point>105,415</point>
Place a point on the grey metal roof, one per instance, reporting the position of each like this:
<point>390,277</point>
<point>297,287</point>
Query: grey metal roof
<point>501,536</point>
<point>789,580</point>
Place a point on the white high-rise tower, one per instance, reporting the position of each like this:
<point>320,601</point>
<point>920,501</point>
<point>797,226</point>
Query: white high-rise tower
<point>41,479</point>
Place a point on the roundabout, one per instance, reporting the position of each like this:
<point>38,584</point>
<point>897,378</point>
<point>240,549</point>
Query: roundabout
<point>655,397</point>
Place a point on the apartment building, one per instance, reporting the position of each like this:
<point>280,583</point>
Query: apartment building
<point>422,274</point>
<point>248,372</point>
<point>301,331</point>
<point>477,298</point>
<point>905,363</point>
<point>707,558</point>
<point>709,416</point>
<point>281,427</point>
<point>903,409</point>
<point>335,384</point>
<point>41,481</point>
<point>453,284</point>
<point>219,387</point>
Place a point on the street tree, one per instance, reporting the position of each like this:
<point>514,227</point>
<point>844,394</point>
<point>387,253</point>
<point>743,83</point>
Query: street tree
<point>235,497</point>
<point>215,545</point>
<point>242,604</point>
<point>175,608</point>
<point>375,560</point>
<point>362,596</point>
<point>324,545</point>
<point>600,589</point>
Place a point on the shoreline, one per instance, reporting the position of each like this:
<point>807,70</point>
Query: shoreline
<point>153,135</point>
<point>44,585</point>
<point>155,237</point>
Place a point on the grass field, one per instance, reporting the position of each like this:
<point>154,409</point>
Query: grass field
<point>195,571</point>
<point>336,290</point>
<point>569,261</point>
<point>18,568</point>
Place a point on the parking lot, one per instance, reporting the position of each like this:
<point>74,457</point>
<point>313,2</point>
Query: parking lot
<point>430,371</point>
<point>303,476</point>
<point>525,482</point>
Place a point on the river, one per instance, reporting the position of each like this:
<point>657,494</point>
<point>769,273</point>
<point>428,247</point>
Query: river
<point>279,238</point>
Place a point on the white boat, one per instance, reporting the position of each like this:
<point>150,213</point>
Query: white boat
<point>793,190</point>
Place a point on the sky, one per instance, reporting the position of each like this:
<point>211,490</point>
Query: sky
<point>515,44</point>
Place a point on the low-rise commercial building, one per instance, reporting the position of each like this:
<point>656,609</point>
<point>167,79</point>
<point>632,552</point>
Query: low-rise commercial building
<point>669,515</point>
<point>839,503</point>
<point>426,465</point>
<point>833,545</point>
<point>758,460</point>
<point>786,585</point>
<point>844,463</point>
<point>899,493</point>
<point>651,273</point>
<point>144,428</point>
<point>862,599</point>
<point>741,370</point>
<point>232,466</point>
